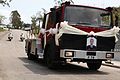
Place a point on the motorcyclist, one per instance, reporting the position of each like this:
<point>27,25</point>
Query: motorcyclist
<point>10,36</point>
<point>22,37</point>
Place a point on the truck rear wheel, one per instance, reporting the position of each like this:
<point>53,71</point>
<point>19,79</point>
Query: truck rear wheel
<point>94,65</point>
<point>36,55</point>
<point>30,56</point>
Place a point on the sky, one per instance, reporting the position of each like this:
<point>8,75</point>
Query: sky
<point>28,8</point>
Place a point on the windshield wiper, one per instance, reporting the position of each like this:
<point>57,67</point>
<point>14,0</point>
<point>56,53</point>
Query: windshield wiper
<point>105,26</point>
<point>84,23</point>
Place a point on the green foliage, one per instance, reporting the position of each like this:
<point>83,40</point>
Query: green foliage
<point>116,11</point>
<point>105,19</point>
<point>35,29</point>
<point>34,19</point>
<point>5,2</point>
<point>1,29</point>
<point>16,19</point>
<point>2,18</point>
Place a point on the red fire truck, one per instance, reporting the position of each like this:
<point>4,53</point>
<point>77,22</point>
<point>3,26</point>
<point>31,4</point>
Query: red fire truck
<point>75,33</point>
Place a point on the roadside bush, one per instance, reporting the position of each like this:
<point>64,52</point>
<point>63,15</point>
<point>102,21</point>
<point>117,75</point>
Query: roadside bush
<point>1,29</point>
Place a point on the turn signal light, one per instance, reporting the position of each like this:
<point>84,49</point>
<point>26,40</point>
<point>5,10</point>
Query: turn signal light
<point>69,53</point>
<point>109,55</point>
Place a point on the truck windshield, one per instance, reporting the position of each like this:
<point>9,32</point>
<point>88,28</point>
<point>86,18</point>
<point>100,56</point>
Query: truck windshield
<point>87,16</point>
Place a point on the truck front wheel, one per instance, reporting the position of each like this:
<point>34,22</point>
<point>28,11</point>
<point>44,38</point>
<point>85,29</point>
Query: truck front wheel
<point>30,56</point>
<point>50,57</point>
<point>94,65</point>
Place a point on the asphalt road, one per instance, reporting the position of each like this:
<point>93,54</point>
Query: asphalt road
<point>14,65</point>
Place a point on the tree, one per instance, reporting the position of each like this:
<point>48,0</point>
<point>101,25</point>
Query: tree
<point>36,18</point>
<point>5,2</point>
<point>116,12</point>
<point>2,18</point>
<point>16,19</point>
<point>39,17</point>
<point>34,27</point>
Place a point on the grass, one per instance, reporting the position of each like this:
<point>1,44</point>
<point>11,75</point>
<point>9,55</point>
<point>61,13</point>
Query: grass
<point>1,30</point>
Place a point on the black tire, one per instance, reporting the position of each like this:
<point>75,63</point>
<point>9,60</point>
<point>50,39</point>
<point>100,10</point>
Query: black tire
<point>21,40</point>
<point>30,56</point>
<point>94,65</point>
<point>50,56</point>
<point>36,55</point>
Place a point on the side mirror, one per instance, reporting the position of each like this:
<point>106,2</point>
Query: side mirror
<point>116,20</point>
<point>53,12</point>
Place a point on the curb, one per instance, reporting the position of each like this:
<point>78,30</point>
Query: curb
<point>111,65</point>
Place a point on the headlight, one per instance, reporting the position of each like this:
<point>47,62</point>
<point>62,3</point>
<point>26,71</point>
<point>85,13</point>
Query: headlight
<point>109,55</point>
<point>69,53</point>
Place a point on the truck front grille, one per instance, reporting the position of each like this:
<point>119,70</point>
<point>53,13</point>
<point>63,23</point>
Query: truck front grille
<point>78,42</point>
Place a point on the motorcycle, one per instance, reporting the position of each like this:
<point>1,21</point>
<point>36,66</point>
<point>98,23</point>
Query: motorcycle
<point>10,37</point>
<point>22,38</point>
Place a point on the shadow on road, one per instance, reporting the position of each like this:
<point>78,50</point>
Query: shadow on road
<point>7,40</point>
<point>38,67</point>
<point>20,40</point>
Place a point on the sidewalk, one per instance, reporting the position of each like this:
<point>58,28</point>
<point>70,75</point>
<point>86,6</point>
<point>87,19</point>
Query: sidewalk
<point>114,63</point>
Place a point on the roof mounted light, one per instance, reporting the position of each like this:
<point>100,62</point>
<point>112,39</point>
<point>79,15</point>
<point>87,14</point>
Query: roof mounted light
<point>67,3</point>
<point>109,9</point>
<point>52,9</point>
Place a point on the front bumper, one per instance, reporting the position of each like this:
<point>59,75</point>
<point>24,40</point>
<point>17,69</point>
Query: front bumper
<point>82,54</point>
